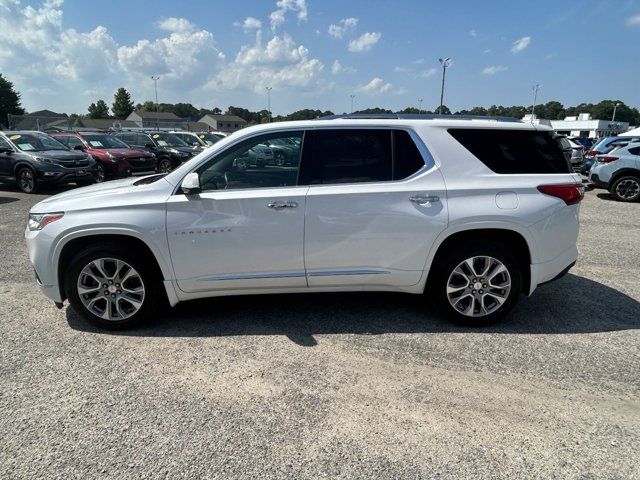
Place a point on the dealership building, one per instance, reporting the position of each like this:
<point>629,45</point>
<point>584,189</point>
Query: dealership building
<point>583,126</point>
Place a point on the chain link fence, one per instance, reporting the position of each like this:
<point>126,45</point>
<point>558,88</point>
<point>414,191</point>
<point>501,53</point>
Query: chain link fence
<point>65,123</point>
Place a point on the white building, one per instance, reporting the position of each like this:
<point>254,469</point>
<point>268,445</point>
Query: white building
<point>583,126</point>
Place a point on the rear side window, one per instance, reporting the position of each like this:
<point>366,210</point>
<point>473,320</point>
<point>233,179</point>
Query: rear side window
<point>359,155</point>
<point>514,151</point>
<point>634,151</point>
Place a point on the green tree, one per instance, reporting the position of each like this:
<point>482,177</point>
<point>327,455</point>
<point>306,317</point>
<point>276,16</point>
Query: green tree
<point>99,110</point>
<point>375,110</point>
<point>9,100</point>
<point>122,103</point>
<point>147,106</point>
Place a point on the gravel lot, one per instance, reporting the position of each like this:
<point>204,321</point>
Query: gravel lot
<point>314,386</point>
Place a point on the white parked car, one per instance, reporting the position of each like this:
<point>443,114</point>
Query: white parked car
<point>619,172</point>
<point>472,213</point>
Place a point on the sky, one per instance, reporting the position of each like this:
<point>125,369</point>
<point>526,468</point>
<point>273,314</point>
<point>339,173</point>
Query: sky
<point>63,55</point>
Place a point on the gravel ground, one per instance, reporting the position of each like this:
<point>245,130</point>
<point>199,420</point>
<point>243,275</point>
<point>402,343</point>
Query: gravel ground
<point>341,385</point>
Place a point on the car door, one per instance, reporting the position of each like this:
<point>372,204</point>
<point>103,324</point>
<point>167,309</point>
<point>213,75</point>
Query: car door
<point>5,157</point>
<point>245,229</point>
<point>375,205</point>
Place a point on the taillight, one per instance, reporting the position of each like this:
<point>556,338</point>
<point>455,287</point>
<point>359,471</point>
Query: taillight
<point>606,159</point>
<point>593,153</point>
<point>570,193</point>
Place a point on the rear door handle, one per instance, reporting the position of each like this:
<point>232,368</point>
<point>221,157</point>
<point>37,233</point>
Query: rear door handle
<point>424,199</point>
<point>280,205</point>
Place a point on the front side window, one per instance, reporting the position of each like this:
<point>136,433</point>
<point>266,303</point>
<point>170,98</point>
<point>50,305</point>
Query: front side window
<point>5,144</point>
<point>259,162</point>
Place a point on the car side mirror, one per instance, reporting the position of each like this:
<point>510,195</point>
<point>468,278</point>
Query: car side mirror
<point>79,147</point>
<point>191,184</point>
<point>5,150</point>
<point>150,146</point>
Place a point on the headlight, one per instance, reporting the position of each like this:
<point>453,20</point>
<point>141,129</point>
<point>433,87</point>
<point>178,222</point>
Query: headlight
<point>37,221</point>
<point>173,150</point>
<point>112,157</point>
<point>41,159</point>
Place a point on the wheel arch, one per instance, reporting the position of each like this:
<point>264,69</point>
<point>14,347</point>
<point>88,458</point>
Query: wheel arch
<point>623,172</point>
<point>73,243</point>
<point>512,239</point>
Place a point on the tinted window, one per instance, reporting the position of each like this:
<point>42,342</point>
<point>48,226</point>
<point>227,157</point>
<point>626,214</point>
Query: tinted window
<point>74,142</point>
<point>350,156</point>
<point>634,151</point>
<point>407,159</point>
<point>514,151</point>
<point>266,161</point>
<point>4,144</point>
<point>141,139</point>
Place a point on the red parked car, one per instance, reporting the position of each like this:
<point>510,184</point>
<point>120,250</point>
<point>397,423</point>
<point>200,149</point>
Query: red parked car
<point>113,157</point>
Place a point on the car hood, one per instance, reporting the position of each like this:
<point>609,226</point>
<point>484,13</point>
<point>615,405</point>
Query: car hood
<point>103,195</point>
<point>61,155</point>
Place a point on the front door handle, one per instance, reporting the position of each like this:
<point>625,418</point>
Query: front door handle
<point>281,205</point>
<point>425,200</point>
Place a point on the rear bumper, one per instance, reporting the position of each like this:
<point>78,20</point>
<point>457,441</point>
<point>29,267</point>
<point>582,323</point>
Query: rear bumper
<point>553,269</point>
<point>595,179</point>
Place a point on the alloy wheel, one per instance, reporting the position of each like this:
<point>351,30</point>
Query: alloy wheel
<point>165,166</point>
<point>100,173</point>
<point>26,180</point>
<point>478,286</point>
<point>628,189</point>
<point>111,289</point>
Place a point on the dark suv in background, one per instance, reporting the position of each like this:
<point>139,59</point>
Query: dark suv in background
<point>35,158</point>
<point>169,149</point>
<point>113,157</point>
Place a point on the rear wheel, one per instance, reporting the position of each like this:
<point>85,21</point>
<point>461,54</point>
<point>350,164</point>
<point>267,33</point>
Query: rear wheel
<point>112,288</point>
<point>626,189</point>
<point>27,181</point>
<point>476,285</point>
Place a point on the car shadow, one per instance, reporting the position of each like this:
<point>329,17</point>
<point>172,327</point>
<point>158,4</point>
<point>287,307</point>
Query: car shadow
<point>573,304</point>
<point>4,200</point>
<point>606,196</point>
<point>42,189</point>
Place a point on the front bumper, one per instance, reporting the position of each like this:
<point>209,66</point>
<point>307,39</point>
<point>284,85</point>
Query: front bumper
<point>53,177</point>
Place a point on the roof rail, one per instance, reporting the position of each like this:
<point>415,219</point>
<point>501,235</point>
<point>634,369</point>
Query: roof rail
<point>417,116</point>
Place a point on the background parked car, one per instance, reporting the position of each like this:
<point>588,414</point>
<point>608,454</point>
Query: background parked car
<point>619,172</point>
<point>191,139</point>
<point>35,158</point>
<point>285,151</point>
<point>169,149</point>
<point>587,143</point>
<point>210,137</point>
<point>113,157</point>
<point>573,152</point>
<point>606,144</point>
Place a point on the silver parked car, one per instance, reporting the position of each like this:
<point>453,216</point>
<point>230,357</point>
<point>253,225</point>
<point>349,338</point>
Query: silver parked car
<point>619,172</point>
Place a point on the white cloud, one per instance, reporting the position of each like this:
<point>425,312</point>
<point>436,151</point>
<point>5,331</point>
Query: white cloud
<point>473,33</point>
<point>364,42</point>
<point>428,73</point>
<point>419,61</point>
<point>633,21</point>
<point>278,64</point>
<point>551,55</point>
<point>344,26</point>
<point>492,70</point>
<point>375,87</point>
<point>250,23</point>
<point>277,17</point>
<point>173,24</point>
<point>520,44</point>
<point>401,70</point>
<point>337,68</point>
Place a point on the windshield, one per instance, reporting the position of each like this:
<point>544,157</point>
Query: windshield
<point>168,140</point>
<point>101,142</point>
<point>189,139</point>
<point>209,138</point>
<point>31,142</point>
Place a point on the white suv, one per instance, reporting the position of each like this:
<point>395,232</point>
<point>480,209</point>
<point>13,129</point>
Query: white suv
<point>472,213</point>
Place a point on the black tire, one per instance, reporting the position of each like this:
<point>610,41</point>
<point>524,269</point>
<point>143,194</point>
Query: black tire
<point>27,180</point>
<point>626,189</point>
<point>443,271</point>
<point>164,165</point>
<point>280,161</point>
<point>100,173</point>
<point>149,276</point>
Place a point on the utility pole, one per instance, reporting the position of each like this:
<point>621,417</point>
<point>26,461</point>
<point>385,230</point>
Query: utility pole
<point>536,87</point>
<point>352,98</point>
<point>420,105</point>
<point>269,101</point>
<point>155,79</point>
<point>615,107</point>
<point>446,63</point>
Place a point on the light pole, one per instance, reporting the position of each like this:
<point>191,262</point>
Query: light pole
<point>155,79</point>
<point>352,98</point>
<point>615,107</point>
<point>446,63</point>
<point>420,105</point>
<point>269,101</point>
<point>536,87</point>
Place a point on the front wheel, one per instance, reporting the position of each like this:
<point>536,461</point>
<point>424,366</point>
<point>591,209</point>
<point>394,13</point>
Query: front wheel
<point>27,181</point>
<point>165,165</point>
<point>100,174</point>
<point>476,286</point>
<point>626,189</point>
<point>111,288</point>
